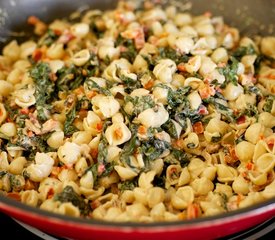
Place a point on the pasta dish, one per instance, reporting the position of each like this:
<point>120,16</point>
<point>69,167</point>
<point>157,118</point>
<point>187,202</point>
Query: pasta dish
<point>142,113</point>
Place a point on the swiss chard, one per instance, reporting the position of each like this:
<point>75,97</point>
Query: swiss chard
<point>102,151</point>
<point>128,185</point>
<point>269,103</point>
<point>69,195</point>
<point>167,52</point>
<point>33,144</point>
<point>230,72</point>
<point>153,148</point>
<point>68,78</point>
<point>130,84</point>
<point>221,108</point>
<point>170,128</point>
<point>93,85</point>
<point>129,149</point>
<point>253,90</point>
<point>44,88</point>
<point>184,111</point>
<point>177,157</point>
<point>244,50</point>
<point>177,97</point>
<point>69,128</point>
<point>130,52</point>
<point>140,103</point>
<point>49,38</point>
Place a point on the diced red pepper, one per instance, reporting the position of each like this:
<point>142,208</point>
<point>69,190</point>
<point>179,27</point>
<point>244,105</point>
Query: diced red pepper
<point>24,111</point>
<point>181,67</point>
<point>192,211</point>
<point>198,127</point>
<point>250,166</point>
<point>241,120</point>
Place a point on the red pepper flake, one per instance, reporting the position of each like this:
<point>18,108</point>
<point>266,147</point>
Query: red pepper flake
<point>30,134</point>
<point>239,198</point>
<point>118,133</point>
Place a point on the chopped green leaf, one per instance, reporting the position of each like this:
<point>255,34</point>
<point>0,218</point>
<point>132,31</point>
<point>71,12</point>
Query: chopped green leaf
<point>242,51</point>
<point>177,97</point>
<point>269,103</point>
<point>69,128</point>
<point>224,110</point>
<point>93,85</point>
<point>230,72</point>
<point>44,88</point>
<point>49,38</point>
<point>167,52</point>
<point>140,103</point>
<point>69,195</point>
<point>129,149</point>
<point>177,157</point>
<point>128,185</point>
<point>170,128</point>
<point>102,151</point>
<point>153,148</point>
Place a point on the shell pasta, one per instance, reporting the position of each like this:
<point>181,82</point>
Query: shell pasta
<point>142,113</point>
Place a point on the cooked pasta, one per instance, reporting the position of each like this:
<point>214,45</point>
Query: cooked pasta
<point>141,113</point>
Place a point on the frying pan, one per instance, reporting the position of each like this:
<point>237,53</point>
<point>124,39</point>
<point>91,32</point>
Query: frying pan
<point>250,16</point>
